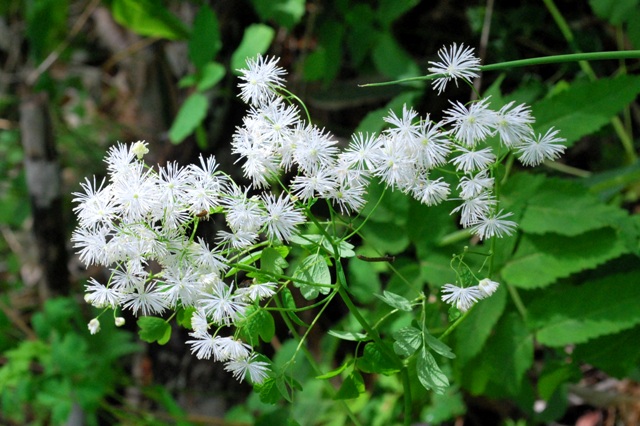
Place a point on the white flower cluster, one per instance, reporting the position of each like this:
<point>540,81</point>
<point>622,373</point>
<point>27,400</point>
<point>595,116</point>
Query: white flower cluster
<point>407,155</point>
<point>142,221</point>
<point>465,297</point>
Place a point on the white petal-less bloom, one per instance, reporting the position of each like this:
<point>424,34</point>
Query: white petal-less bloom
<point>282,217</point>
<point>259,162</point>
<point>393,165</point>
<point>95,204</point>
<point>315,151</point>
<point>473,186</point>
<point>405,127</point>
<point>137,194</point>
<point>430,192</point>
<point>487,287</point>
<point>180,285</point>
<point>230,349</point>
<point>431,145</point>
<point>350,197</point>
<point>206,186</point>
<point>100,295</point>
<point>94,326</point>
<point>360,154</point>
<point>91,245</point>
<point>203,345</point>
<point>471,125</point>
<point>455,62</point>
<point>243,213</point>
<point>473,159</point>
<point>199,322</point>
<point>239,239</point>
<point>462,297</point>
<point>206,258</point>
<point>277,121</point>
<point>257,370</point>
<point>221,305</point>
<point>261,77</point>
<point>256,291</point>
<point>494,225</point>
<point>513,124</point>
<point>475,209</point>
<point>319,184</point>
<point>536,148</point>
<point>119,158</point>
<point>146,300</point>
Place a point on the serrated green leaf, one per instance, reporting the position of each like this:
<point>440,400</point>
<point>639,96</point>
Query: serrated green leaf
<point>567,315</point>
<point>407,341</point>
<point>374,360</point>
<point>395,301</point>
<point>255,40</point>
<point>313,269</point>
<point>349,335</point>
<point>204,42</point>
<point>154,329</point>
<point>605,352</point>
<point>541,259</point>
<point>257,324</point>
<point>585,107</point>
<point>352,386</point>
<point>148,18</point>
<point>567,208</point>
<point>191,114</point>
<point>211,75</point>
<point>510,353</point>
<point>438,346</point>
<point>429,374</point>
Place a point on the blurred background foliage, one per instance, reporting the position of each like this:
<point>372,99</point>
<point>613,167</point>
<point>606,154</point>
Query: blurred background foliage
<point>77,76</point>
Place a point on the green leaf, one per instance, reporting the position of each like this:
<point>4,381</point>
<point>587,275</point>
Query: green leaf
<point>541,259</point>
<point>268,391</point>
<point>211,75</point>
<point>585,107</point>
<point>374,360</point>
<point>472,333</point>
<point>286,13</point>
<point>392,60</point>
<point>148,18</point>
<point>438,346</point>
<point>204,42</point>
<point>395,301</point>
<point>429,374</point>
<point>605,352</point>
<point>567,208</point>
<point>191,114</point>
<point>407,341</point>
<point>184,315</point>
<point>510,353</point>
<point>569,315</point>
<point>349,335</point>
<point>272,261</point>
<point>335,372</point>
<point>46,25</point>
<point>289,302</point>
<point>257,324</point>
<point>553,376</point>
<point>313,269</point>
<point>255,40</point>
<point>154,329</point>
<point>364,281</point>
<point>390,10</point>
<point>352,386</point>
<point>614,11</point>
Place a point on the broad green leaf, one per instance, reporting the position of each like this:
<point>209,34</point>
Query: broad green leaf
<point>191,114</point>
<point>211,75</point>
<point>349,335</point>
<point>438,346</point>
<point>154,329</point>
<point>352,386</point>
<point>553,376</point>
<point>614,11</point>
<point>395,301</point>
<point>568,315</point>
<point>374,360</point>
<point>324,62</point>
<point>272,261</point>
<point>204,42</point>
<point>268,391</point>
<point>605,352</point>
<point>392,60</point>
<point>510,353</point>
<point>364,281</point>
<point>257,324</point>
<point>541,259</point>
<point>429,374</point>
<point>567,208</point>
<point>184,315</point>
<point>407,341</point>
<point>585,107</point>
<point>148,18</point>
<point>286,13</point>
<point>255,40</point>
<point>313,269</point>
<point>472,333</point>
<point>390,10</point>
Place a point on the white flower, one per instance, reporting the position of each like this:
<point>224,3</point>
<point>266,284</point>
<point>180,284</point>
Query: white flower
<point>231,349</point>
<point>243,213</point>
<point>471,125</point>
<point>393,166</point>
<point>91,245</point>
<point>199,322</point>
<point>472,159</point>
<point>258,370</point>
<point>456,62</point>
<point>315,151</point>
<point>221,305</point>
<point>405,126</point>
<point>257,291</point>
<point>101,296</point>
<point>462,297</point>
<point>204,345</point>
<point>261,77</point>
<point>430,192</point>
<point>119,321</point>
<point>239,239</point>
<point>494,225</point>
<point>139,149</point>
<point>206,186</point>
<point>360,154</point>
<point>536,148</point>
<point>282,217</point>
<point>471,187</point>
<point>431,145</point>
<point>320,183</point>
<point>95,204</point>
<point>474,209</point>
<point>94,326</point>
<point>487,287</point>
<point>513,124</point>
<point>146,299</point>
<point>348,195</point>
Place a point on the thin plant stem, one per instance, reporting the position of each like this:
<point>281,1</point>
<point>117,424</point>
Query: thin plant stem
<point>517,300</point>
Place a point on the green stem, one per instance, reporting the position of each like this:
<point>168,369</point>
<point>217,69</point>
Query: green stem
<point>454,237</point>
<point>406,387</point>
<point>517,300</point>
<point>454,325</point>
